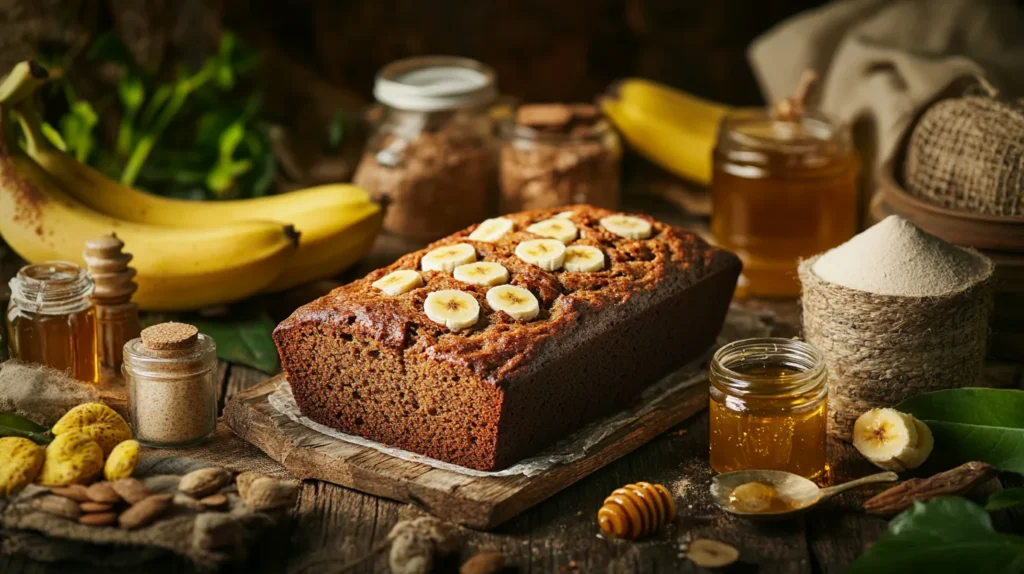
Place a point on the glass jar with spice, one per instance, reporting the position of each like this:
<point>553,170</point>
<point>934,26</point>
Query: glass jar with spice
<point>51,320</point>
<point>171,374</point>
<point>783,188</point>
<point>768,407</point>
<point>558,154</point>
<point>432,156</point>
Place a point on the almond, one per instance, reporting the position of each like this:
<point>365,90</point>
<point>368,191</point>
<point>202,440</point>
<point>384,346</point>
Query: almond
<point>102,492</point>
<point>145,511</point>
<point>204,482</point>
<point>130,489</point>
<point>483,563</point>
<point>98,519</point>
<point>76,492</point>
<point>214,501</point>
<point>267,493</point>
<point>57,506</point>
<point>95,506</point>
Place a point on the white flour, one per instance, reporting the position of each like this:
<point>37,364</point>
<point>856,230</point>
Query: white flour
<point>895,257</point>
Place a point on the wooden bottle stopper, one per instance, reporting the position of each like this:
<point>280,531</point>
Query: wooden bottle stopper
<point>117,318</point>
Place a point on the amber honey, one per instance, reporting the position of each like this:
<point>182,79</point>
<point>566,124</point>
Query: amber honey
<point>51,321</point>
<point>768,408</point>
<point>781,191</point>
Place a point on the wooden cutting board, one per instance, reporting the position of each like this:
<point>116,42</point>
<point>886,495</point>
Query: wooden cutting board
<point>476,502</point>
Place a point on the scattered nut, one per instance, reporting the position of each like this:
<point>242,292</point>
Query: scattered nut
<point>102,492</point>
<point>72,458</point>
<point>96,421</point>
<point>186,501</point>
<point>76,492</point>
<point>416,542</point>
<point>214,501</point>
<point>711,553</point>
<point>204,482</point>
<point>483,563</point>
<point>20,461</point>
<point>244,481</point>
<point>145,511</point>
<point>95,506</point>
<point>122,460</point>
<point>130,489</point>
<point>266,493</point>
<point>57,506</point>
<point>98,519</point>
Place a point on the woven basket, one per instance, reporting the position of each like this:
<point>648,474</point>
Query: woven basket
<point>883,349</point>
<point>967,153</point>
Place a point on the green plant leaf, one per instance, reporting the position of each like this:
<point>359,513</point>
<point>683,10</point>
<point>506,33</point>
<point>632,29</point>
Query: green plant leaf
<point>973,424</point>
<point>243,340</point>
<point>13,424</point>
<point>1006,498</point>
<point>336,132</point>
<point>53,136</point>
<point>947,534</point>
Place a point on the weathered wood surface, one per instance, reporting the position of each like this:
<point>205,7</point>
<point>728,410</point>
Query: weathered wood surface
<point>477,502</point>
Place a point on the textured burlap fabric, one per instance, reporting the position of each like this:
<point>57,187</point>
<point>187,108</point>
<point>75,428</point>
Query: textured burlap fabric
<point>968,154</point>
<point>39,393</point>
<point>206,538</point>
<point>883,349</point>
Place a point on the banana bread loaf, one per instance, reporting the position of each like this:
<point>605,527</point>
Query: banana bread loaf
<point>500,339</point>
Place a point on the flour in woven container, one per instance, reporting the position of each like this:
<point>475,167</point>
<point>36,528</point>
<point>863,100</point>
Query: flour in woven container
<point>895,257</point>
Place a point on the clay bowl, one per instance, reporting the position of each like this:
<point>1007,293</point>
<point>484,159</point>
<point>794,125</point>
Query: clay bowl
<point>988,232</point>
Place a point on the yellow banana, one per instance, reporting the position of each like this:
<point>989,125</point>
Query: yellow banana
<point>671,128</point>
<point>178,268</point>
<point>337,223</point>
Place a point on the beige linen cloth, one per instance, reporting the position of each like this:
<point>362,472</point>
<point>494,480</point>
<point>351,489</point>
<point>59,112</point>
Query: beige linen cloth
<point>880,61</point>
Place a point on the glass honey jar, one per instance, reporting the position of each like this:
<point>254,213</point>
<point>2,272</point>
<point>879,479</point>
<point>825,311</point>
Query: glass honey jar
<point>51,320</point>
<point>768,407</point>
<point>783,188</point>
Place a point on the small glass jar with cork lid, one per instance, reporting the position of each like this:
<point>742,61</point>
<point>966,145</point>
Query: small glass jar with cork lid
<point>171,374</point>
<point>769,407</point>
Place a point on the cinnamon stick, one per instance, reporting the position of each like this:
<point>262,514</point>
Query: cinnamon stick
<point>955,481</point>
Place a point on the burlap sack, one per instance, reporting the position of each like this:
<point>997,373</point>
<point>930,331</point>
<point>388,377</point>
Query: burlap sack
<point>967,153</point>
<point>883,349</point>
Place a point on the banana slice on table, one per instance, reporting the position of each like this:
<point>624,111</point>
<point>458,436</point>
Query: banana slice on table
<point>627,226</point>
<point>555,228</point>
<point>892,440</point>
<point>491,230</point>
<point>548,254</point>
<point>398,282</point>
<point>449,257</point>
<point>452,308</point>
<point>515,301</point>
<point>583,258</point>
<point>482,273</point>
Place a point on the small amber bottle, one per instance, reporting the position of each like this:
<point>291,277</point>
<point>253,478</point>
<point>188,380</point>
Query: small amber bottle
<point>51,320</point>
<point>768,407</point>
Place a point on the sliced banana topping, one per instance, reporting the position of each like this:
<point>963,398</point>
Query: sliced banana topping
<point>555,228</point>
<point>398,282</point>
<point>583,258</point>
<point>548,254</point>
<point>627,226</point>
<point>452,308</point>
<point>565,215</point>
<point>892,440</point>
<point>449,257</point>
<point>491,229</point>
<point>482,273</point>
<point>515,301</point>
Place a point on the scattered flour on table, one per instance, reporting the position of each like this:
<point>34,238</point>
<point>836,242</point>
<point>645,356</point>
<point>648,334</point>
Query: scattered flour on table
<point>895,257</point>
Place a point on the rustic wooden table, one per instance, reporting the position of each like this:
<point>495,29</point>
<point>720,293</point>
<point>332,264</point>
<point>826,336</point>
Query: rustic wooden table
<point>333,526</point>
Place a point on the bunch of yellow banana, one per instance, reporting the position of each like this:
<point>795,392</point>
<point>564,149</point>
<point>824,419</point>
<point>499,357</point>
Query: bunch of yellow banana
<point>188,255</point>
<point>671,128</point>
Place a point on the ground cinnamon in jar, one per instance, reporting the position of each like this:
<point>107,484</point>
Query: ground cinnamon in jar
<point>172,385</point>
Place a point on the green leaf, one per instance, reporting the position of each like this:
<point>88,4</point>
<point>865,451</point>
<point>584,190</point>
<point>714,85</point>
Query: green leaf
<point>1006,498</point>
<point>243,340</point>
<point>336,132</point>
<point>53,136</point>
<point>973,424</point>
<point>946,534</point>
<point>77,129</point>
<point>13,424</point>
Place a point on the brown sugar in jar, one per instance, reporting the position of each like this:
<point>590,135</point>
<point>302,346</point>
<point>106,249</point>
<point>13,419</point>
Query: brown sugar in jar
<point>172,385</point>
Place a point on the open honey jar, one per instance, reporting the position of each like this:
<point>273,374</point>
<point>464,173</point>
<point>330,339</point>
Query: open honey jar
<point>783,188</point>
<point>768,407</point>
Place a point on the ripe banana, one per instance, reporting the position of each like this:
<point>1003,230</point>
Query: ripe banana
<point>671,128</point>
<point>337,223</point>
<point>178,268</point>
<point>892,440</point>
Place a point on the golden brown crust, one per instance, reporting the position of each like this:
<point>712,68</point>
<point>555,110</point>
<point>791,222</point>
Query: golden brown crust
<point>498,345</point>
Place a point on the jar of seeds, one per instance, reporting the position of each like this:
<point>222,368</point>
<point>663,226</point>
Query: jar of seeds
<point>171,374</point>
